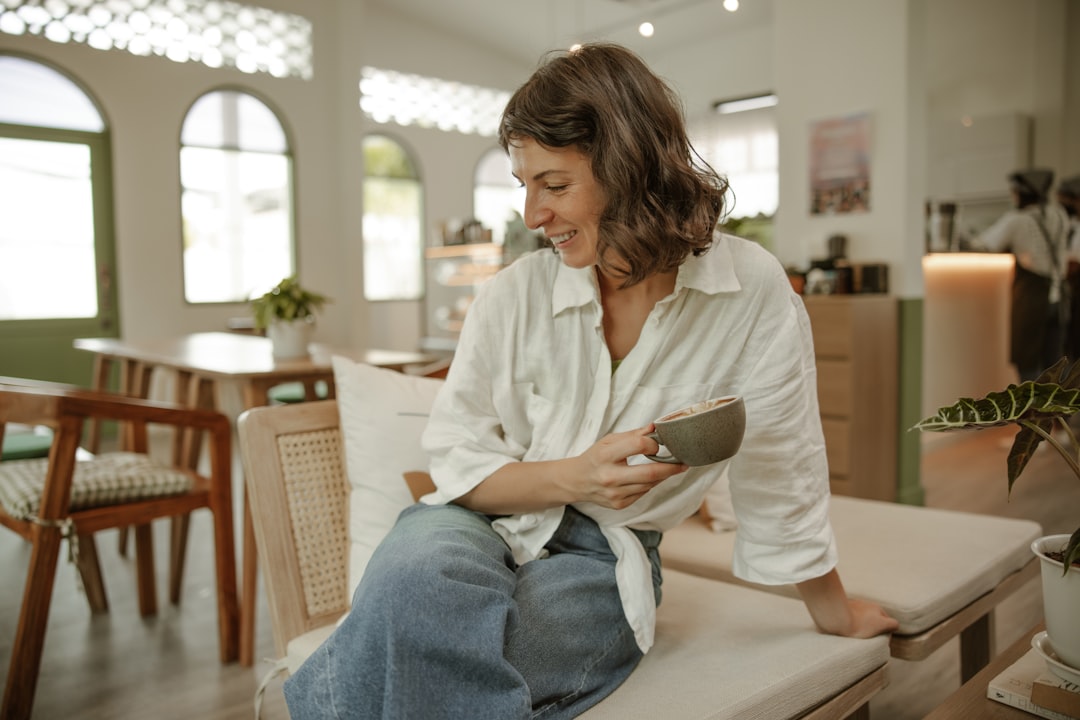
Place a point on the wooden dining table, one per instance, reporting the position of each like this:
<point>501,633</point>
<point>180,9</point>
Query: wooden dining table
<point>201,363</point>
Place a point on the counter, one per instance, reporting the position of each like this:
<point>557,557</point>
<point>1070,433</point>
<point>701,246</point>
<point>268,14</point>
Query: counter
<point>965,326</point>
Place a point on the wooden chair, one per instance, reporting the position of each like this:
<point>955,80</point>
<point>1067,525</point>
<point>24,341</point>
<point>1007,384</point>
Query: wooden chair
<point>721,650</point>
<point>47,501</point>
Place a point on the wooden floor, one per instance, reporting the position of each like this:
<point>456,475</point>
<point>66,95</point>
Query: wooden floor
<point>118,666</point>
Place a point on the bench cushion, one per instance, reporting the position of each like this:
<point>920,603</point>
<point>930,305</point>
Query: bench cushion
<point>722,651</point>
<point>921,564</point>
<point>725,651</point>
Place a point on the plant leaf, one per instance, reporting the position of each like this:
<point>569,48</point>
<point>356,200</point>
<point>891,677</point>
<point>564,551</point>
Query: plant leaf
<point>1023,449</point>
<point>1033,401</point>
<point>1072,550</point>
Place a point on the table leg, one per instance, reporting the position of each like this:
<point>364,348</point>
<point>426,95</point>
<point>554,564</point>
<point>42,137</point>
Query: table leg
<point>134,382</point>
<point>187,447</point>
<point>100,383</point>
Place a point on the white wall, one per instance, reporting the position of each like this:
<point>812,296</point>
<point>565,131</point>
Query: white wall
<point>834,58</point>
<point>824,57</point>
<point>727,66</point>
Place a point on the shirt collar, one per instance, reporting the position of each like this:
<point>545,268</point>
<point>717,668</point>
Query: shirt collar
<point>712,273</point>
<point>574,287</point>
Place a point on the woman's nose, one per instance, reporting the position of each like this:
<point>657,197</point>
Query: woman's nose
<point>536,214</point>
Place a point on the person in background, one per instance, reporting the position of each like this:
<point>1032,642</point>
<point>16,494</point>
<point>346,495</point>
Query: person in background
<point>1068,196</point>
<point>1036,232</point>
<point>525,585</point>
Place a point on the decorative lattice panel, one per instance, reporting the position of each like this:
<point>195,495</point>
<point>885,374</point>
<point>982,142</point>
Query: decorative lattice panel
<point>215,33</point>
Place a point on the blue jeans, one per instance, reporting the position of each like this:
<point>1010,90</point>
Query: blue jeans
<point>445,624</point>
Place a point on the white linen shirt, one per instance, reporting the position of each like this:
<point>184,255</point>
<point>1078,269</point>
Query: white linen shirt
<point>532,380</point>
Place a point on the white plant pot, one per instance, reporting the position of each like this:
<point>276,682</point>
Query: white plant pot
<point>1061,601</point>
<point>290,339</point>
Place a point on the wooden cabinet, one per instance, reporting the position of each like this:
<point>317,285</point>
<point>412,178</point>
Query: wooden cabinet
<point>855,344</point>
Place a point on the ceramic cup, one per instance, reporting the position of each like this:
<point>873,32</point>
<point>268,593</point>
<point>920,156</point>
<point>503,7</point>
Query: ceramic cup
<point>702,434</point>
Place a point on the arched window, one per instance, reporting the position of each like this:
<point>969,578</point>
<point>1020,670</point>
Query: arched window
<point>236,174</point>
<point>56,232</point>
<point>498,199</point>
<point>393,212</point>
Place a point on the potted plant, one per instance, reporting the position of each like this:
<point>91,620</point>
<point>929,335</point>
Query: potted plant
<point>1036,408</point>
<point>287,313</point>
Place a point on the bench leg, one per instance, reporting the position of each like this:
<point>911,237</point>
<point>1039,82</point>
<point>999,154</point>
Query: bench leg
<point>976,646</point>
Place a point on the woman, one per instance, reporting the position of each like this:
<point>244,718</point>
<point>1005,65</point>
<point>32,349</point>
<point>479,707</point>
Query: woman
<point>1037,234</point>
<point>526,584</point>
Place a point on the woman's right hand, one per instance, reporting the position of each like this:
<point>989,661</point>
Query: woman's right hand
<point>607,480</point>
<point>600,475</point>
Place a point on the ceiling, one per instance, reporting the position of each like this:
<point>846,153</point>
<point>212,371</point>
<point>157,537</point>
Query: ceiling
<point>525,29</point>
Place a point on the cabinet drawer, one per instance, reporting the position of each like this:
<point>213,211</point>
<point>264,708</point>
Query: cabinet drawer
<point>832,326</point>
<point>835,387</point>
<point>837,445</point>
<point>841,486</point>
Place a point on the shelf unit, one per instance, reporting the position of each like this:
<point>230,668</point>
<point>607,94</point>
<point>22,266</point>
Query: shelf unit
<point>855,346</point>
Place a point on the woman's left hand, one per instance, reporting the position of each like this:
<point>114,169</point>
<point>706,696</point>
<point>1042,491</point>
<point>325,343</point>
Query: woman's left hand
<point>837,614</point>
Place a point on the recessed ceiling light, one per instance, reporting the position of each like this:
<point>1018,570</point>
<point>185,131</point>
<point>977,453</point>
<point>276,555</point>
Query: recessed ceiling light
<point>725,107</point>
<point>646,29</point>
<point>731,5</point>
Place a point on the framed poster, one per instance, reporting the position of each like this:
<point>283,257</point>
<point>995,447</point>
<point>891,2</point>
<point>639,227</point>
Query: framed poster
<point>840,165</point>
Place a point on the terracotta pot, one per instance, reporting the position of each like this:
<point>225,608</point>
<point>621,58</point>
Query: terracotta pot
<point>1061,598</point>
<point>290,339</point>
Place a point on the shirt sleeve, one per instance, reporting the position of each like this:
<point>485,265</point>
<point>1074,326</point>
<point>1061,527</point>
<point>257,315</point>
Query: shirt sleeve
<point>464,437</point>
<point>780,478</point>
<point>1000,236</point>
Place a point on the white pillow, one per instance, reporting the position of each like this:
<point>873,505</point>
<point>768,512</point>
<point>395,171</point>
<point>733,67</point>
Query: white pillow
<point>717,507</point>
<point>383,414</point>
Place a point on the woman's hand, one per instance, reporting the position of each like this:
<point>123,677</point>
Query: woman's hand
<point>600,475</point>
<point>869,619</point>
<point>837,614</point>
<point>607,480</point>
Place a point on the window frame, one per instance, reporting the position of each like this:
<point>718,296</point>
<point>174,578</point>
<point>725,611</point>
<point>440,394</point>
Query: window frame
<point>417,177</point>
<point>294,241</point>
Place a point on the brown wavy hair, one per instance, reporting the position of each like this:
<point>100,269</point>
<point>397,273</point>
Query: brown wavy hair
<point>663,200</point>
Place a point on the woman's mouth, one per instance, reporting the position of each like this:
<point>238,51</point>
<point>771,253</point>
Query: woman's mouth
<point>562,238</point>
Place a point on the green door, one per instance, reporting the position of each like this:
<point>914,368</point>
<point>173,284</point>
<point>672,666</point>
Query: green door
<point>57,258</point>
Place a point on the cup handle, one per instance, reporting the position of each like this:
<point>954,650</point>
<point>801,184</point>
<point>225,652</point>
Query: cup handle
<point>662,458</point>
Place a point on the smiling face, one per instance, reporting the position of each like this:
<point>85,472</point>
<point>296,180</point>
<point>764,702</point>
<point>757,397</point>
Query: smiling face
<point>562,198</point>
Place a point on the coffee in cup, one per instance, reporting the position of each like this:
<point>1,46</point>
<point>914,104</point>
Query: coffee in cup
<point>703,433</point>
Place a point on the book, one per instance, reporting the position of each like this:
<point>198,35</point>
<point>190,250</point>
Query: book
<point>1055,693</point>
<point>1013,685</point>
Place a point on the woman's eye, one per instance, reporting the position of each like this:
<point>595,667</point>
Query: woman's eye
<point>556,188</point>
